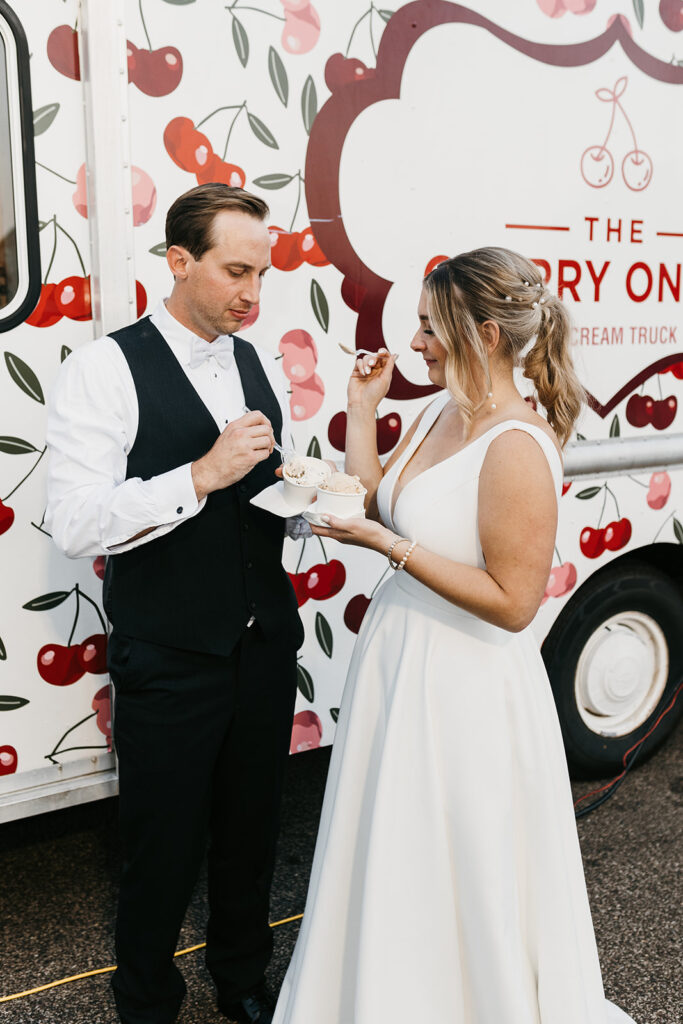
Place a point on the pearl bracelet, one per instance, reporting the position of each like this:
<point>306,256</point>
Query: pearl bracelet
<point>406,556</point>
<point>397,540</point>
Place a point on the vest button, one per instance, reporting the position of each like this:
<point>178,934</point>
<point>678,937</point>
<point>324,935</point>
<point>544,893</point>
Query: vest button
<point>179,510</point>
<point>252,605</point>
<point>250,565</point>
<point>243,488</point>
<point>245,526</point>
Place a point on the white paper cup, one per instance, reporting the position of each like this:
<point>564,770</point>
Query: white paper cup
<point>342,505</point>
<point>300,495</point>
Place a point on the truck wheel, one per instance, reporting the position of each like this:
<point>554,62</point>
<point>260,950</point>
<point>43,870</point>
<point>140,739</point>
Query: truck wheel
<point>615,658</point>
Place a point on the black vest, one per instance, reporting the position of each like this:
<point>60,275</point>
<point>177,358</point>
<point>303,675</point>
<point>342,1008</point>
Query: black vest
<point>197,586</point>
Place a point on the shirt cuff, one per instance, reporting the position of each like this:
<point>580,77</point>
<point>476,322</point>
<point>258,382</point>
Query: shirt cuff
<point>170,498</point>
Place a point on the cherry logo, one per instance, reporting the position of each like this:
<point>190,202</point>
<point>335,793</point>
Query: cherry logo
<point>92,654</point>
<point>593,541</point>
<point>59,665</point>
<point>154,72</point>
<point>307,731</point>
<point>325,579</point>
<point>597,163</point>
<point>388,432</point>
<point>191,151</point>
<point>659,490</point>
<point>8,760</point>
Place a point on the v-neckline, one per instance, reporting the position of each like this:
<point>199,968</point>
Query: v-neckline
<point>393,501</point>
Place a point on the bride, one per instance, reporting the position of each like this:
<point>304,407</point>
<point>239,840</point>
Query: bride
<point>447,884</point>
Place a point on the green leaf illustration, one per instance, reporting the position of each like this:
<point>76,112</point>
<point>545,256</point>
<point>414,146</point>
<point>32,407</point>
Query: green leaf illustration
<point>314,448</point>
<point>580,437</point>
<point>241,41</point>
<point>8,703</point>
<point>335,714</point>
<point>66,351</point>
<point>261,132</point>
<point>309,104</point>
<point>160,248</point>
<point>3,651</point>
<point>24,377</point>
<point>323,632</point>
<point>305,683</point>
<point>46,601</point>
<point>589,492</point>
<point>320,307</point>
<point>278,75</point>
<point>273,181</point>
<point>678,530</point>
<point>43,117</point>
<point>614,427</point>
<point>15,446</point>
<point>639,11</point>
<point>386,15</point>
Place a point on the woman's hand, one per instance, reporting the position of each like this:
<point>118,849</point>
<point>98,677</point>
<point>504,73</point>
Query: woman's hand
<point>365,533</point>
<point>371,379</point>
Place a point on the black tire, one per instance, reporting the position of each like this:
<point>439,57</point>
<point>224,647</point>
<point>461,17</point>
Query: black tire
<point>635,587</point>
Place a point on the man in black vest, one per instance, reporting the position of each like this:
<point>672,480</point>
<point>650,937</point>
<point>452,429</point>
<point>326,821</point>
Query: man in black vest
<point>154,462</point>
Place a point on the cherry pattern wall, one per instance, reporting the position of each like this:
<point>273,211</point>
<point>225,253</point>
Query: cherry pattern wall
<point>230,92</point>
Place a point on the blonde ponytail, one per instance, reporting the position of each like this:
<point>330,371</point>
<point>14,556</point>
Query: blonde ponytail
<point>549,366</point>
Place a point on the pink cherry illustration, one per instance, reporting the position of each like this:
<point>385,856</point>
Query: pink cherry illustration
<point>302,29</point>
<point>307,732</point>
<point>561,580</point>
<point>99,565</point>
<point>144,196</point>
<point>659,490</point>
<point>300,355</point>
<point>636,168</point>
<point>597,166</point>
<point>80,196</point>
<point>306,397</point>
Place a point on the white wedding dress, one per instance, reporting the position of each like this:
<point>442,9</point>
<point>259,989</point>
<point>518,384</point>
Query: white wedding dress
<point>447,885</point>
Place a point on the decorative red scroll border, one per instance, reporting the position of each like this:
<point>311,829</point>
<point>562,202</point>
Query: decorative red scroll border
<point>366,291</point>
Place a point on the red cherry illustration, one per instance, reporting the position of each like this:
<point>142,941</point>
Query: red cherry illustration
<point>99,565</point>
<point>131,56</point>
<point>157,72</point>
<point>353,294</point>
<point>530,400</point>
<point>310,250</point>
<point>562,579</point>
<point>8,760</point>
<point>302,29</point>
<point>298,581</point>
<point>639,410</point>
<point>6,517</point>
<point>46,313</point>
<point>336,431</point>
<point>186,146</point>
<point>636,169</point>
<point>388,432</point>
<point>101,703</point>
<point>72,298</point>
<point>307,732</point>
<point>664,412</point>
<point>565,488</point>
<point>218,170</point>
<point>325,579</point>
<point>354,612</point>
<point>341,70</point>
<point>92,654</point>
<point>592,542</point>
<point>62,51</point>
<point>140,298</point>
<point>617,534</point>
<point>659,490</point>
<point>306,397</point>
<point>284,249</point>
<point>671,13</point>
<point>300,355</point>
<point>59,665</point>
<point>434,262</point>
<point>676,369</point>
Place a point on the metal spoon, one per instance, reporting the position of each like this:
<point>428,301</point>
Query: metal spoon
<point>284,452</point>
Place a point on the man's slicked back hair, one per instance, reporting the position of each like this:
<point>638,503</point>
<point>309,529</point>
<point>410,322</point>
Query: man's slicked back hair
<point>189,222</point>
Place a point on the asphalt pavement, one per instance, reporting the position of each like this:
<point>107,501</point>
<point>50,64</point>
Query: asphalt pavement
<point>58,882</point>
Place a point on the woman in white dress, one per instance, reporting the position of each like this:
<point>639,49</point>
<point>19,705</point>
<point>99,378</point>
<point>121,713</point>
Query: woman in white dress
<point>447,884</point>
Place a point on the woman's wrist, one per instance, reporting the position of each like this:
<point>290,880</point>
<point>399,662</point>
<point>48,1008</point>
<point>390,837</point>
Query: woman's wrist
<point>361,410</point>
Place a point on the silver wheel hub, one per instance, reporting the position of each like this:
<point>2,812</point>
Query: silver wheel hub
<point>621,674</point>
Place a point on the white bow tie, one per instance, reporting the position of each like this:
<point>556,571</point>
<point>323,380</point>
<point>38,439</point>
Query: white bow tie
<point>221,349</point>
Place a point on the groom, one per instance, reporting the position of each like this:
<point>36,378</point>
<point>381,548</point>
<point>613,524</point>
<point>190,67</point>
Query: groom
<point>154,462</point>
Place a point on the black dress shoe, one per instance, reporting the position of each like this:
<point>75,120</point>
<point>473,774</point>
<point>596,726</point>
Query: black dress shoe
<point>256,1007</point>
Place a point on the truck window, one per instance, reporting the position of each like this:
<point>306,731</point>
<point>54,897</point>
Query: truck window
<point>19,244</point>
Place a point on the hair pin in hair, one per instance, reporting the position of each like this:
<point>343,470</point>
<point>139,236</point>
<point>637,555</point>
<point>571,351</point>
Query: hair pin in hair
<point>526,284</point>
<point>508,298</point>
<point>541,301</point>
<point>533,305</point>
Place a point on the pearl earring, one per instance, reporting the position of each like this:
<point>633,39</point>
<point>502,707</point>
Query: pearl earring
<point>490,395</point>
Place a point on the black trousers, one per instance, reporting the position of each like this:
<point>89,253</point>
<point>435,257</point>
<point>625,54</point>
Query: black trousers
<point>202,742</point>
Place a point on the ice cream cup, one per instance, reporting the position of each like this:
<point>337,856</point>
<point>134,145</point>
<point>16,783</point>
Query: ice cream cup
<point>337,504</point>
<point>297,494</point>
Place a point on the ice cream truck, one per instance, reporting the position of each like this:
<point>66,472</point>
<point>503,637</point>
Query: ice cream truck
<point>383,141</point>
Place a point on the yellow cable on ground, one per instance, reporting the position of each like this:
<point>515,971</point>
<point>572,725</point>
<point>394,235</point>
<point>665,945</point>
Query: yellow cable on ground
<point>108,970</point>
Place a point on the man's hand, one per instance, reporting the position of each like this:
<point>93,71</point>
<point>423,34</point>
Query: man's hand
<point>243,444</point>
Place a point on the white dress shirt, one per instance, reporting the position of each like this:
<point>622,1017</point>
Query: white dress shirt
<point>92,423</point>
